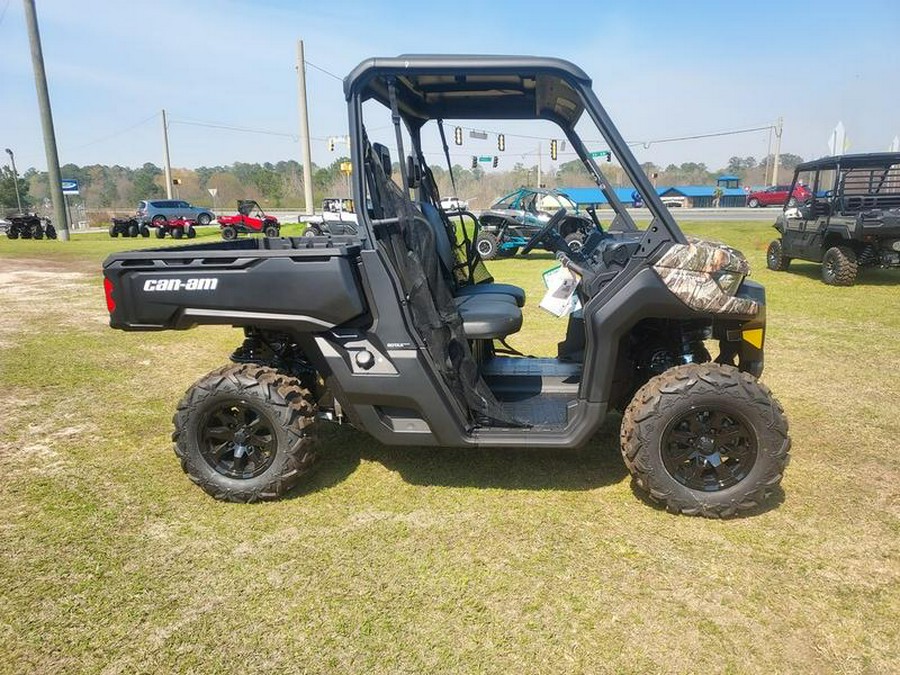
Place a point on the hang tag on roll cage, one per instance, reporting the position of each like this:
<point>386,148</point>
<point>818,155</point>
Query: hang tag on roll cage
<point>560,299</point>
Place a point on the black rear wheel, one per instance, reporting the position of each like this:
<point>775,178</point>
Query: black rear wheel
<point>705,440</point>
<point>145,231</point>
<point>160,232</point>
<point>776,260</point>
<point>113,231</point>
<point>839,266</point>
<point>177,232</point>
<point>271,231</point>
<point>133,230</point>
<point>243,433</point>
<point>191,232</point>
<point>229,233</point>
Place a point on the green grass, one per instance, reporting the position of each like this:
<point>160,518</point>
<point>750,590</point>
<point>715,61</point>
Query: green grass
<point>425,560</point>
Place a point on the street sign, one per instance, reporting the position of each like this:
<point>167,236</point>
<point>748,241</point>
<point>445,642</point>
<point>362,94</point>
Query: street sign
<point>486,159</point>
<point>600,153</point>
<point>481,135</point>
<point>69,186</point>
<point>212,192</point>
<point>347,168</point>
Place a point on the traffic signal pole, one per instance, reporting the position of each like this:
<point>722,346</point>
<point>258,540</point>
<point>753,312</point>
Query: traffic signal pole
<point>43,95</point>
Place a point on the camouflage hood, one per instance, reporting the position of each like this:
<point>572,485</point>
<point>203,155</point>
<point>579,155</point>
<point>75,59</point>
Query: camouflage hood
<point>705,275</point>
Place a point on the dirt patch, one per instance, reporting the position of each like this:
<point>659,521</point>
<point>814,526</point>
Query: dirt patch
<point>33,291</point>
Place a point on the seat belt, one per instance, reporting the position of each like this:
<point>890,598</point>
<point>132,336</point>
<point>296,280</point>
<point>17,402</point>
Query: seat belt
<point>395,116</point>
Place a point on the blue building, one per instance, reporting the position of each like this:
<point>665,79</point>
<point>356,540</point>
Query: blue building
<point>687,196</point>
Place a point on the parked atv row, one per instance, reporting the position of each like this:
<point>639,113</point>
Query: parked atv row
<point>30,226</point>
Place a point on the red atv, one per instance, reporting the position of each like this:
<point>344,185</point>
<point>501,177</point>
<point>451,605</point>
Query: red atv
<point>176,228</point>
<point>250,219</point>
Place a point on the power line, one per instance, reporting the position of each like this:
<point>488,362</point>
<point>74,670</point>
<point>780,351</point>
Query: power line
<point>248,130</point>
<point>327,72</point>
<point>117,133</point>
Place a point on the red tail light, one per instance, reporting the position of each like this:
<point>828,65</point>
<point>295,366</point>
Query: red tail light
<point>110,303</point>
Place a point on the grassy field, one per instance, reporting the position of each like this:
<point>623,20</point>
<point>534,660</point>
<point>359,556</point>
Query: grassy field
<point>419,560</point>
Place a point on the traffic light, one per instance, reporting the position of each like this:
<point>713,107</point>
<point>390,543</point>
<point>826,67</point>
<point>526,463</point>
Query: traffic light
<point>553,150</point>
<point>457,135</point>
<point>474,161</point>
<point>501,143</point>
<point>331,144</point>
<point>496,161</point>
<point>608,156</point>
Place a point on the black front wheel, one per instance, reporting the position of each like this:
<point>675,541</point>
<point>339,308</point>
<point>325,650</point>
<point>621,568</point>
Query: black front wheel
<point>113,231</point>
<point>191,232</point>
<point>272,231</point>
<point>177,232</point>
<point>705,440</point>
<point>229,233</point>
<point>160,232</point>
<point>776,260</point>
<point>243,433</point>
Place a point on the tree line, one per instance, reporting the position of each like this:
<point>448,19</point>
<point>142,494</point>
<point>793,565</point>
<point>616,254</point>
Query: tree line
<point>280,184</point>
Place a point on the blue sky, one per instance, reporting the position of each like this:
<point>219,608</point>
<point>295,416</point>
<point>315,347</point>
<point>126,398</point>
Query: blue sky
<point>662,69</point>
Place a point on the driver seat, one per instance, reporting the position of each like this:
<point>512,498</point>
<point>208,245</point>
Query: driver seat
<point>445,255</point>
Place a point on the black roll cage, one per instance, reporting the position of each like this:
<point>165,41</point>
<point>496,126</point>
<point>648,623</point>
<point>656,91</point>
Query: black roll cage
<point>433,87</point>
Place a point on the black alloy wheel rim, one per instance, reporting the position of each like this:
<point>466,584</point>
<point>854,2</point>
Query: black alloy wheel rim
<point>238,440</point>
<point>708,449</point>
<point>485,247</point>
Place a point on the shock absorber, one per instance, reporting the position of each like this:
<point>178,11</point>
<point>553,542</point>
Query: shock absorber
<point>693,333</point>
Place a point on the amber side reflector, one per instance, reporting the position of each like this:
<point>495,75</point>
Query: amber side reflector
<point>110,303</point>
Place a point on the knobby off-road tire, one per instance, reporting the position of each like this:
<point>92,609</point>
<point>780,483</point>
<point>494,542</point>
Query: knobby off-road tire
<point>487,246</point>
<point>229,233</point>
<point>160,232</point>
<point>776,260</point>
<point>113,231</point>
<point>272,232</point>
<point>839,267</point>
<point>177,232</point>
<point>243,433</point>
<point>705,440</point>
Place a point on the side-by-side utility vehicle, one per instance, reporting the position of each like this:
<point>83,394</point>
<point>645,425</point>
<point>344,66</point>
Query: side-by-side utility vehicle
<point>850,218</point>
<point>397,329</point>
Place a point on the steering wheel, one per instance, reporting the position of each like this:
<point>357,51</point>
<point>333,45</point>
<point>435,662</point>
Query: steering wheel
<point>545,230</point>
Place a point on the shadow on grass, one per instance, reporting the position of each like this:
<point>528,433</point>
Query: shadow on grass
<point>597,464</point>
<point>868,276</point>
<point>772,501</point>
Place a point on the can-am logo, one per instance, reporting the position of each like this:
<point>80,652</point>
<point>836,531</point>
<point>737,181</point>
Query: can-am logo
<point>195,284</point>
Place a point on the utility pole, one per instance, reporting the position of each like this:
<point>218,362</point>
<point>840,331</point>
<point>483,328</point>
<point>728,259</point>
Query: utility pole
<point>168,166</point>
<point>304,131</point>
<point>778,130</point>
<point>43,95</point>
<point>768,158</point>
<point>540,161</point>
<point>15,178</point>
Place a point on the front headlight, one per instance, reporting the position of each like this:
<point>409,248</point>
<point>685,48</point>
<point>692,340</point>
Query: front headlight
<point>728,281</point>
